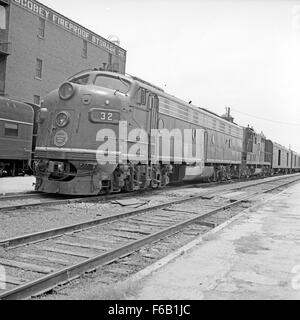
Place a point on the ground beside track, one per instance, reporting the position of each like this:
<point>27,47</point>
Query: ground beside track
<point>16,185</point>
<point>256,257</point>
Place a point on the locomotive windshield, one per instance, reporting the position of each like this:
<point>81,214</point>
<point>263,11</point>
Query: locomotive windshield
<point>114,83</point>
<point>83,80</point>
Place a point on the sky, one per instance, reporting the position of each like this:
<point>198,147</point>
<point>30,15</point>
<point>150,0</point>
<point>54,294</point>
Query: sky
<point>216,53</point>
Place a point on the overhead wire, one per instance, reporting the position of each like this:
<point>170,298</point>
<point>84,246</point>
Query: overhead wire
<point>265,119</point>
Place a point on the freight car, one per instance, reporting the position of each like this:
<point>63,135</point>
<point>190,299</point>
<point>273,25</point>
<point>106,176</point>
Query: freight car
<point>95,135</point>
<point>16,130</point>
<point>285,160</point>
<point>295,162</point>
<point>281,159</point>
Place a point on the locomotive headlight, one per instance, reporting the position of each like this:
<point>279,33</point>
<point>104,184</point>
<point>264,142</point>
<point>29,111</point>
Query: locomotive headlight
<point>62,119</point>
<point>107,102</point>
<point>66,91</point>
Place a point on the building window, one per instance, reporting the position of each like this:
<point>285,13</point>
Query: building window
<point>84,49</point>
<point>11,129</point>
<point>279,157</point>
<point>2,17</point>
<point>42,25</point>
<point>39,68</point>
<point>109,67</point>
<point>37,100</point>
<point>116,67</point>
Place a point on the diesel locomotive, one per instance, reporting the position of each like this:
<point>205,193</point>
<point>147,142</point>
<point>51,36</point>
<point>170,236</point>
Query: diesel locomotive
<point>94,110</point>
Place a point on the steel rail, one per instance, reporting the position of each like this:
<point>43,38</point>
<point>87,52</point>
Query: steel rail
<point>48,282</point>
<point>69,200</point>
<point>56,232</point>
<point>107,197</point>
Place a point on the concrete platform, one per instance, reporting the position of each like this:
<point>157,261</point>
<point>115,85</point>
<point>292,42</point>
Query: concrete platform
<point>16,184</point>
<point>255,257</point>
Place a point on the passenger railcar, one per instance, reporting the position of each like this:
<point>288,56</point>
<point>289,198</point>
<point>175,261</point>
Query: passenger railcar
<point>16,129</point>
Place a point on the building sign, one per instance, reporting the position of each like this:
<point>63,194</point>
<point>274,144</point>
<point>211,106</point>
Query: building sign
<point>69,25</point>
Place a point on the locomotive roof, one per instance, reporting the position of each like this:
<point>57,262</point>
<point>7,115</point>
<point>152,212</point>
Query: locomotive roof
<point>160,92</point>
<point>154,89</point>
<point>198,109</point>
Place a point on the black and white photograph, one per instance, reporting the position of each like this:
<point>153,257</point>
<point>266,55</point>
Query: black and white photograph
<point>149,153</point>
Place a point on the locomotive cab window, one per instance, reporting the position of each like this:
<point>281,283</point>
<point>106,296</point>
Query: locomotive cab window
<point>11,130</point>
<point>113,83</point>
<point>151,101</point>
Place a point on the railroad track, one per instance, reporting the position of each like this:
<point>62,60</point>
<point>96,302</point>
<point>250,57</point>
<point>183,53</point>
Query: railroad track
<point>37,199</point>
<point>65,253</point>
<point>23,200</point>
<point>32,199</point>
<point>14,202</point>
<point>52,233</point>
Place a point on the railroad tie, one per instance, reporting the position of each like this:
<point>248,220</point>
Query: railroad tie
<point>13,281</point>
<point>67,253</point>
<point>81,245</point>
<point>26,266</point>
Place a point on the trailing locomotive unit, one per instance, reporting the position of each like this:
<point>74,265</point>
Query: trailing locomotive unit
<point>16,130</point>
<point>257,154</point>
<point>72,117</point>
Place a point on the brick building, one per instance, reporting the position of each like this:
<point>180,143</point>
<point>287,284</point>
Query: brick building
<point>40,48</point>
